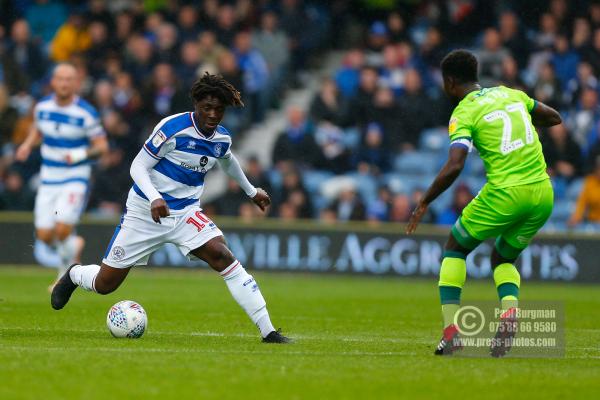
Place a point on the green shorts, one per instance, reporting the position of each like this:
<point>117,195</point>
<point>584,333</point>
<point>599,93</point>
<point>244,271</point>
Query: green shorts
<point>513,215</point>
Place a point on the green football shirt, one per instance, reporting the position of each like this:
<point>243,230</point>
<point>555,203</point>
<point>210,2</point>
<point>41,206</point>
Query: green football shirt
<point>497,122</point>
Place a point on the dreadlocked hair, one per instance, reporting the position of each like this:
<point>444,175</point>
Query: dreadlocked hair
<point>216,86</point>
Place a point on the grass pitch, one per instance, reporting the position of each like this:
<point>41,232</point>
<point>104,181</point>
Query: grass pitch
<point>355,338</point>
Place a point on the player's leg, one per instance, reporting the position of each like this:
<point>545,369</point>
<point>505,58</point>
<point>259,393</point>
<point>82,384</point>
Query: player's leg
<point>198,235</point>
<point>453,273</point>
<point>69,205</point>
<point>132,243</point>
<point>532,205</point>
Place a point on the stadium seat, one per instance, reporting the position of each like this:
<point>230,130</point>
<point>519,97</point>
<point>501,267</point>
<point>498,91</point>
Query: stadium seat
<point>574,189</point>
<point>313,179</point>
<point>418,162</point>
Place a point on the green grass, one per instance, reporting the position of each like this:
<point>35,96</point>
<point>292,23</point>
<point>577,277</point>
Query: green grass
<point>355,338</point>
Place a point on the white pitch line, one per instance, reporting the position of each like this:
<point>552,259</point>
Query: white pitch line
<point>205,351</point>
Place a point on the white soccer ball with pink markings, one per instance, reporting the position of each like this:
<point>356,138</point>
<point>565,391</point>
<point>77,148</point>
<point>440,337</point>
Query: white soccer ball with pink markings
<point>127,319</point>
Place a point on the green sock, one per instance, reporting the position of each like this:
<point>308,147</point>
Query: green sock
<point>507,281</point>
<point>453,273</point>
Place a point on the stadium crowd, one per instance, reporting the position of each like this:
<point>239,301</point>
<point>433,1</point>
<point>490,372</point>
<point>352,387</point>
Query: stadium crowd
<point>374,134</point>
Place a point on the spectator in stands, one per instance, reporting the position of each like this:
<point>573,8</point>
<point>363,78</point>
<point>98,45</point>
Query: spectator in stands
<point>377,38</point>
<point>384,111</point>
<point>293,194</point>
<point>327,105</point>
<point>164,96</point>
<point>510,74</point>
<point>462,196</point>
<point>373,156</point>
<point>581,39</point>
<point>378,210</point>
<point>10,74</point>
<point>513,38</point>
<point>226,25</point>
<point>400,210</point>
<point>229,203</point>
<point>547,88</point>
<point>210,52</point>
<point>586,116</point>
<point>99,50</point>
<point>564,60</point>
<point>415,111</point>
<point>255,76</point>
<point>187,22</point>
<point>563,155</point>
<point>256,174</point>
<point>111,180</point>
<point>334,155</point>
<point>45,17</point>
<point>15,196</point>
<point>548,29</point>
<point>585,78</point>
<point>362,100</point>
<point>167,45</point>
<point>72,37</point>
<point>396,27</point>
<point>491,57</point>
<point>348,206</point>
<point>272,43</point>
<point>433,49</point>
<point>296,143</point>
<point>25,53</point>
<point>391,74</point>
<point>187,69</point>
<point>348,76</point>
<point>588,203</point>
<point>8,118</point>
<point>139,58</point>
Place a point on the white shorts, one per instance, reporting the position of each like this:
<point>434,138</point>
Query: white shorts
<point>138,236</point>
<point>62,203</point>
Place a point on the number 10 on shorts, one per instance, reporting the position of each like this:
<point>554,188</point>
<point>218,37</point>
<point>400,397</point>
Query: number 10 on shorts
<point>203,220</point>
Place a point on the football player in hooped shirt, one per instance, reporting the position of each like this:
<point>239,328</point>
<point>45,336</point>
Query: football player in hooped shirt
<point>163,205</point>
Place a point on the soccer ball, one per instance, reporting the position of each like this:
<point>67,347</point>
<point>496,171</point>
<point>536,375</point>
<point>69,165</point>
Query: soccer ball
<point>127,319</point>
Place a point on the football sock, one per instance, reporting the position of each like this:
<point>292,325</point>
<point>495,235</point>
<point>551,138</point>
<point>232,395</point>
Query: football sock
<point>507,281</point>
<point>84,276</point>
<point>67,250</point>
<point>245,291</point>
<point>453,274</point>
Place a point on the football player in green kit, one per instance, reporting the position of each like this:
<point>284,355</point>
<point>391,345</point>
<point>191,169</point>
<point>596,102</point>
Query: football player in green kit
<point>513,205</point>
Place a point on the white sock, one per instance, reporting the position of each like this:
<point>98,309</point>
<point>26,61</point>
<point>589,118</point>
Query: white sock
<point>67,249</point>
<point>84,276</point>
<point>245,291</point>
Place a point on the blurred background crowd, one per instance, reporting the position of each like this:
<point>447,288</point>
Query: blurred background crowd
<point>374,134</point>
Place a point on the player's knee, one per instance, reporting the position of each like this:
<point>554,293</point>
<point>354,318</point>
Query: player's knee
<point>46,236</point>
<point>62,231</point>
<point>221,256</point>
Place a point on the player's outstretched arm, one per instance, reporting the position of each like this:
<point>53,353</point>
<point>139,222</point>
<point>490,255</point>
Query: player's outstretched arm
<point>232,167</point>
<point>447,175</point>
<point>140,172</point>
<point>544,115</point>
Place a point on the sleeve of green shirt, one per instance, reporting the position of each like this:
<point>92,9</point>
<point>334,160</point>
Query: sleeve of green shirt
<point>460,128</point>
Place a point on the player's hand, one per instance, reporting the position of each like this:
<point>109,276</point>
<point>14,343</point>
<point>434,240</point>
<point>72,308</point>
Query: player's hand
<point>23,152</point>
<point>261,199</point>
<point>159,209</point>
<point>415,217</point>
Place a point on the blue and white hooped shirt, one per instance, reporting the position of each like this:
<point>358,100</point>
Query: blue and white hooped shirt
<point>64,129</point>
<point>185,156</point>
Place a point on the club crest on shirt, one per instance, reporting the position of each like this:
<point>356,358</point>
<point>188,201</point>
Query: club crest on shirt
<point>158,138</point>
<point>452,125</point>
<point>218,149</point>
